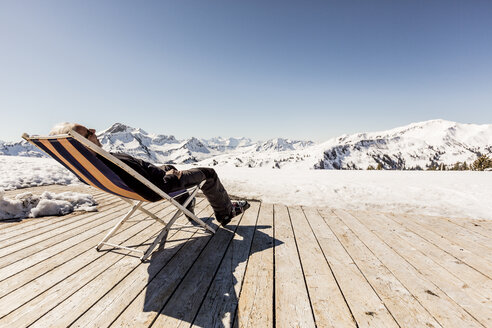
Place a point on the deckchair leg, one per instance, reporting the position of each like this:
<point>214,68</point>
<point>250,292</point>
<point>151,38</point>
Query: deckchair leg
<point>193,216</point>
<point>161,235</point>
<point>118,225</point>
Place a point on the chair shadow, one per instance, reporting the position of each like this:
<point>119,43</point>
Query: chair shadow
<point>191,286</point>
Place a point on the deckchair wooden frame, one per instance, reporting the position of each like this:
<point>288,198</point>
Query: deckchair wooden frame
<point>136,204</point>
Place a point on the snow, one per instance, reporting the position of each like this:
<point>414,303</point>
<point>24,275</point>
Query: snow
<point>421,144</point>
<point>443,193</point>
<point>416,144</point>
<point>164,148</point>
<point>22,148</point>
<point>22,172</point>
<point>28,205</point>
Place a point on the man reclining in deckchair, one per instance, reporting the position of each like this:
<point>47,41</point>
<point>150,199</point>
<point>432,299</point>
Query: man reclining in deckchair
<point>166,177</point>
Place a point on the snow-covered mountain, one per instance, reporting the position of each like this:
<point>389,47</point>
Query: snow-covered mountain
<point>423,144</point>
<point>21,148</point>
<point>280,144</point>
<point>225,144</point>
<point>274,153</point>
<point>418,145</point>
<point>159,148</point>
<point>167,149</point>
<point>156,148</point>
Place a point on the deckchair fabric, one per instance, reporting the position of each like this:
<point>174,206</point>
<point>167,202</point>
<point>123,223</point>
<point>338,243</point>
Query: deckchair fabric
<point>86,166</point>
<point>71,151</point>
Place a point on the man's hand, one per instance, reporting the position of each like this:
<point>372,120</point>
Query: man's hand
<point>175,172</point>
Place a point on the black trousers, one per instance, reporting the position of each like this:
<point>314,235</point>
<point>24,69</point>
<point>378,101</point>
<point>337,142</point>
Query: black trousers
<point>212,189</point>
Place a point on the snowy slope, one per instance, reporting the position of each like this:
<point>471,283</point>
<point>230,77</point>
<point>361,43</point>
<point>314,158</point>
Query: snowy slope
<point>423,144</point>
<point>166,149</point>
<point>23,172</point>
<point>418,145</point>
<point>149,147</point>
<point>21,148</point>
<point>227,144</point>
<point>455,194</point>
<point>159,148</point>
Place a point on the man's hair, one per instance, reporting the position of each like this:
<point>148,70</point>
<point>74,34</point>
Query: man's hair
<point>62,128</point>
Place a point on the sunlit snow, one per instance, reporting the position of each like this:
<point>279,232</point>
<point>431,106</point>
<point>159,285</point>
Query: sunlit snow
<point>28,205</point>
<point>449,193</point>
<point>22,172</point>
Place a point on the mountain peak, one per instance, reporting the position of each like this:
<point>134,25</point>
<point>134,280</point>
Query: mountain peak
<point>118,127</point>
<point>283,144</point>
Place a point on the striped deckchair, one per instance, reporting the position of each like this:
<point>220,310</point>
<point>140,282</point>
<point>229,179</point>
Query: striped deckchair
<point>72,151</point>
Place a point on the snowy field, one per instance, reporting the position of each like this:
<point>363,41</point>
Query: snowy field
<point>454,194</point>
<point>448,193</point>
<point>22,172</point>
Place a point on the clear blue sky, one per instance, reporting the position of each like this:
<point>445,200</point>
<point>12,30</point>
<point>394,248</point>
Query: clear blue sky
<point>298,69</point>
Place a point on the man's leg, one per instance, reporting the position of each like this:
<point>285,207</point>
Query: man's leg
<point>212,189</point>
<point>181,198</point>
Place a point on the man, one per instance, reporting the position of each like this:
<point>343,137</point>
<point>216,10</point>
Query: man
<point>167,178</point>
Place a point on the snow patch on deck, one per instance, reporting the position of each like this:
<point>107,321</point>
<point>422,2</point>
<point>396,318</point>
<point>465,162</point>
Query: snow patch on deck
<point>28,205</point>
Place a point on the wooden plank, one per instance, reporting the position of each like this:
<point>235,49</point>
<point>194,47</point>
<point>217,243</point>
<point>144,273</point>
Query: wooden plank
<point>52,239</point>
<point>407,311</point>
<point>292,304</point>
<point>472,241</point>
<point>71,259</point>
<point>83,299</point>
<point>481,236</point>
<point>142,311</point>
<point>479,226</point>
<point>17,266</point>
<point>486,224</point>
<point>33,310</point>
<point>478,263</point>
<point>40,190</point>
<point>107,308</point>
<point>36,257</point>
<point>442,308</point>
<point>220,303</point>
<point>32,224</point>
<point>26,232</point>
<point>255,308</point>
<point>184,304</point>
<point>329,306</point>
<point>366,306</point>
<point>43,284</point>
<point>454,287</point>
<point>9,225</point>
<point>471,278</point>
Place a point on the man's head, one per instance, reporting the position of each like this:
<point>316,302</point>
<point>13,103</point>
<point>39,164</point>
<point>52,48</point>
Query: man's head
<point>63,128</point>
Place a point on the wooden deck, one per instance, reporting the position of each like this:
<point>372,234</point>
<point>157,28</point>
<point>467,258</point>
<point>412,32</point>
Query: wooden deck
<point>275,266</point>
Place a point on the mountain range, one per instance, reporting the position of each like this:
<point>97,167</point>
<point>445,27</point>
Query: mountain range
<point>417,145</point>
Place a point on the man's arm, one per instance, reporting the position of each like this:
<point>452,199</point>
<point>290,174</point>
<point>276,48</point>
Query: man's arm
<point>166,181</point>
<point>174,172</point>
